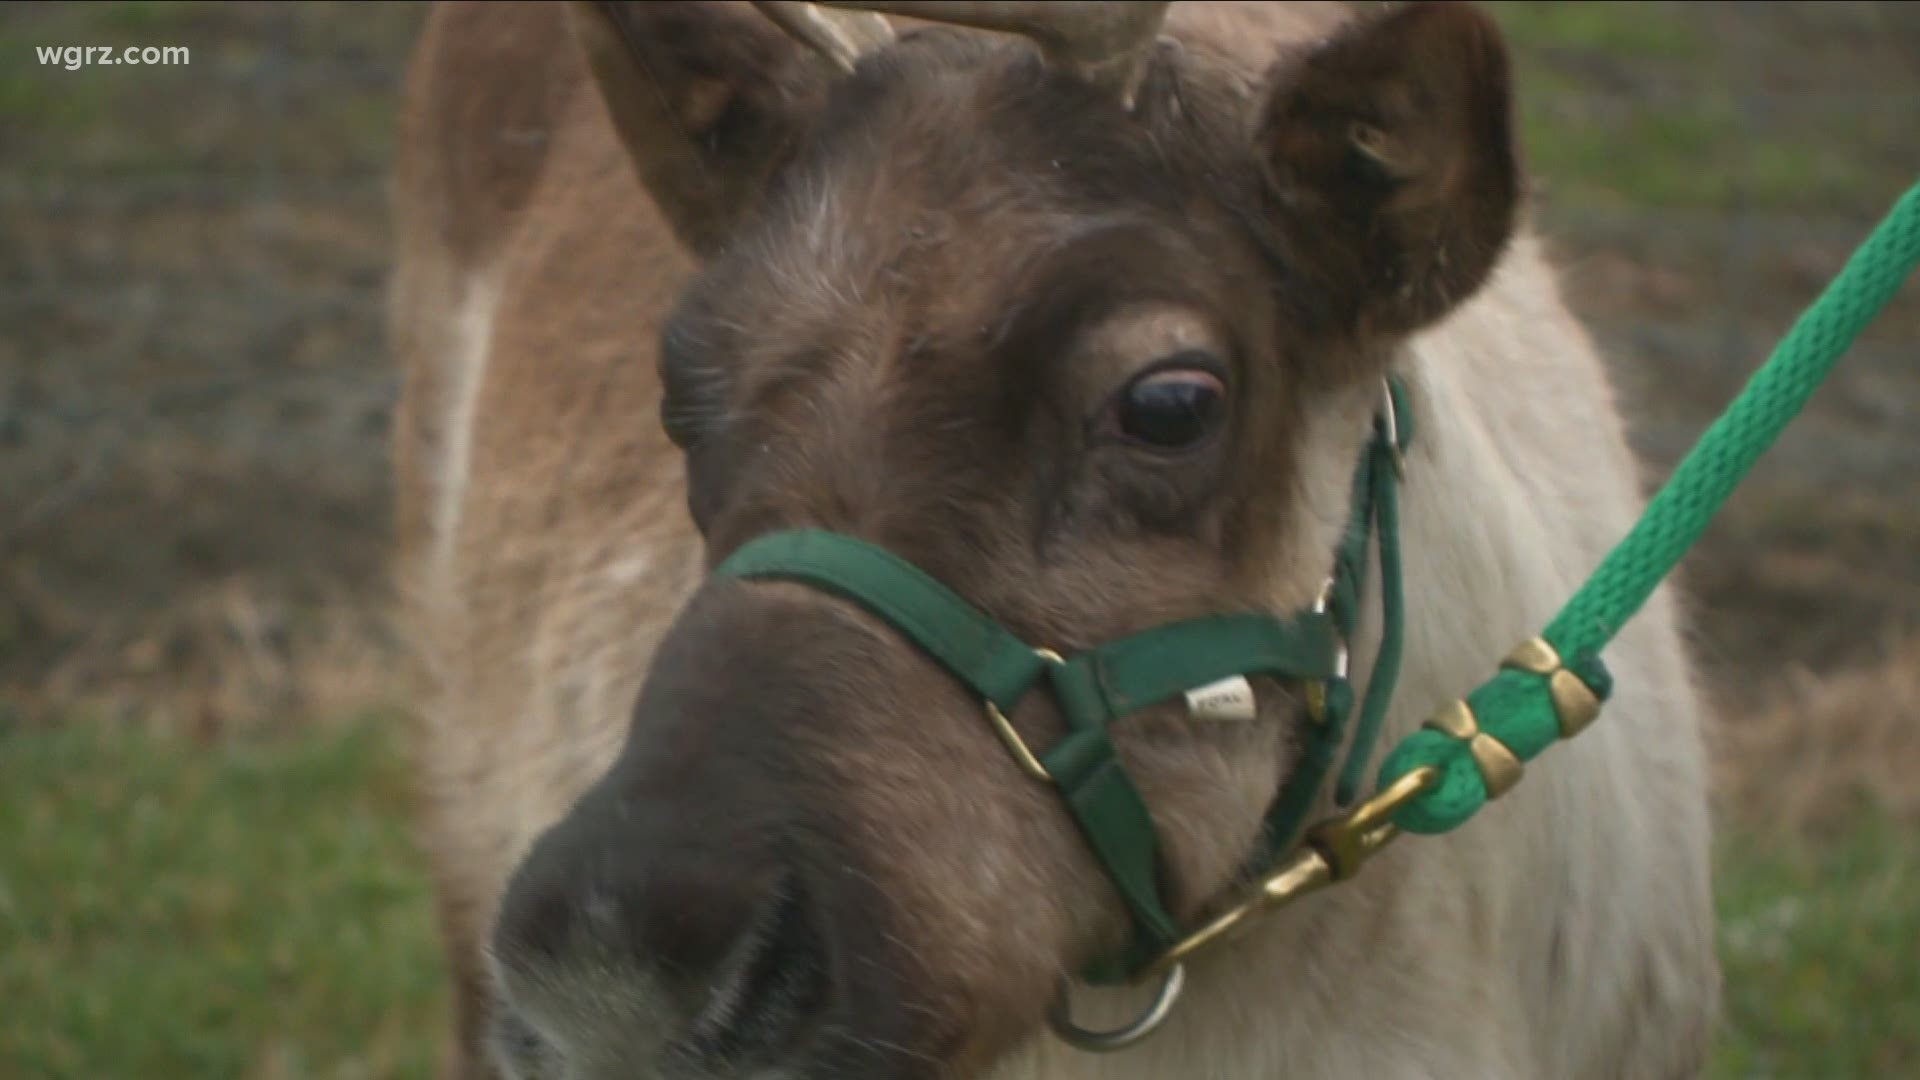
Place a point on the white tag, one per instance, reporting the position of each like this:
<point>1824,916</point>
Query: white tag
<point>1229,699</point>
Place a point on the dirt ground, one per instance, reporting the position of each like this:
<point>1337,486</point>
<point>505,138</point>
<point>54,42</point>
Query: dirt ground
<point>194,394</point>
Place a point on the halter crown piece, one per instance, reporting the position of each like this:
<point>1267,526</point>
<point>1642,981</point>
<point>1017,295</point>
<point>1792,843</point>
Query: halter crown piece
<point>1101,685</point>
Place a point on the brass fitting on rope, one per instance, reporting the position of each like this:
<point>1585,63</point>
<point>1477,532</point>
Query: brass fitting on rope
<point>1500,767</point>
<point>1573,701</point>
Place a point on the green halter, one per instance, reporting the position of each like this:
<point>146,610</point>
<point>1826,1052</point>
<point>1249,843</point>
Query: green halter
<point>1548,688</point>
<point>1099,686</point>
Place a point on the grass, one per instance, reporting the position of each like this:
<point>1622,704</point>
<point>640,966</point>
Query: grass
<point>310,86</point>
<point>1818,944</point>
<point>244,910</point>
<point>254,910</point>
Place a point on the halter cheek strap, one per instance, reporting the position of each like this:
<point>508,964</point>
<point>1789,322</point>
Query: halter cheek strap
<point>1098,686</point>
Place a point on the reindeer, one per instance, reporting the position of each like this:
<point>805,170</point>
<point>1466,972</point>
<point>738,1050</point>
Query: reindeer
<point>1092,334</point>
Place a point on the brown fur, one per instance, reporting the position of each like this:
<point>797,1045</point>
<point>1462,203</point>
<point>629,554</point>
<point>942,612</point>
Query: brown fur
<point>918,288</point>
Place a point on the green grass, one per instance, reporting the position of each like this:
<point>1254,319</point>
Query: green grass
<point>1657,106</point>
<point>1821,948</point>
<point>309,87</point>
<point>255,910</point>
<point>1689,144</point>
<point>1644,30</point>
<point>235,911</point>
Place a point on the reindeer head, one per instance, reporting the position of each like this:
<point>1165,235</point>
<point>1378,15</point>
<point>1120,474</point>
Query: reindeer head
<point>1091,335</point>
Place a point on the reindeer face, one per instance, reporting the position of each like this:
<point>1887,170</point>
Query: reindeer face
<point>1093,366</point>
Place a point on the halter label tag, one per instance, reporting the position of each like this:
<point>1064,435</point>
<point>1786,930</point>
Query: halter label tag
<point>1229,699</point>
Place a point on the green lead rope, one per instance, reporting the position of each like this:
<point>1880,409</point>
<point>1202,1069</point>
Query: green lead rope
<point>1514,707</point>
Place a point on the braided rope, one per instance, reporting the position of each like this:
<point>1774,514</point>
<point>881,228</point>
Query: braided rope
<point>1514,706</point>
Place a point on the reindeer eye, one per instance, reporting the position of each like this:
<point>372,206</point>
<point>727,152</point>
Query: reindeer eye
<point>1173,406</point>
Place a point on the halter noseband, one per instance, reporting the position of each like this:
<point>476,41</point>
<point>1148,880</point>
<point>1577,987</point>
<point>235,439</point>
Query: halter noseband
<point>1200,658</point>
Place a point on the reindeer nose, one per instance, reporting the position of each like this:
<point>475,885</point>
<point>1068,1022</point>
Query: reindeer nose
<point>771,982</point>
<point>706,948</point>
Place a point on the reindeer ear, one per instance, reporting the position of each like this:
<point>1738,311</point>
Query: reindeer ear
<point>1389,152</point>
<point>708,98</point>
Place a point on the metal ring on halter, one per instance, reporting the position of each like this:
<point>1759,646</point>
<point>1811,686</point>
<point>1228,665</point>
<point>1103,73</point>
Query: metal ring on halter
<point>1390,424</point>
<point>1060,1017</point>
<point>1341,658</point>
<point>1028,761</point>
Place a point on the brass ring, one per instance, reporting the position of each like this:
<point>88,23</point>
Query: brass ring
<point>1060,1017</point>
<point>1028,761</point>
<point>1023,755</point>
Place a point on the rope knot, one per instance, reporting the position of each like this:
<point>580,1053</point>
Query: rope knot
<point>1478,746</point>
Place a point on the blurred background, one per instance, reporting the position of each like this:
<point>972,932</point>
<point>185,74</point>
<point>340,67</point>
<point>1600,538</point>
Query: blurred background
<point>204,865</point>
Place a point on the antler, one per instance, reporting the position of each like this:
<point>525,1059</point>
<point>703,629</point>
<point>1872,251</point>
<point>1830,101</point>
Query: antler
<point>1105,43</point>
<point>839,36</point>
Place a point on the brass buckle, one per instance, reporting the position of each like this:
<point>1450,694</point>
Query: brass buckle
<point>1028,761</point>
<point>1334,851</point>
